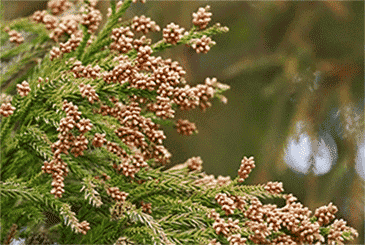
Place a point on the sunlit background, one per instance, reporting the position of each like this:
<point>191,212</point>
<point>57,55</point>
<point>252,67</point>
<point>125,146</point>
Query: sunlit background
<point>296,103</point>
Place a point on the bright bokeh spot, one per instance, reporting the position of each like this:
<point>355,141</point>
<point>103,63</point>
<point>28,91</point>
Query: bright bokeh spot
<point>303,153</point>
<point>360,159</point>
<point>325,154</point>
<point>297,154</point>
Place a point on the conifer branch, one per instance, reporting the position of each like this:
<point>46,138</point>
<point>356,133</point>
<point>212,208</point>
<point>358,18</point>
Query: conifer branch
<point>112,21</point>
<point>91,112</point>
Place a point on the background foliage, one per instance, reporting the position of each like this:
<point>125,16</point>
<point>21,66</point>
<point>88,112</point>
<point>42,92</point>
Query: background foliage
<point>269,46</point>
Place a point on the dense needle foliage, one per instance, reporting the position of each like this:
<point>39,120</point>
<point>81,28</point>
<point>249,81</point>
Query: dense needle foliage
<point>82,155</point>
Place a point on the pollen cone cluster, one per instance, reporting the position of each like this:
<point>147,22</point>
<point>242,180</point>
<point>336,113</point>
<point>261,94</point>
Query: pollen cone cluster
<point>202,17</point>
<point>99,118</point>
<point>15,37</point>
<point>23,88</point>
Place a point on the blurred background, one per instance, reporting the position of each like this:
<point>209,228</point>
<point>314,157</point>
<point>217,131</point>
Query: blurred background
<point>296,103</point>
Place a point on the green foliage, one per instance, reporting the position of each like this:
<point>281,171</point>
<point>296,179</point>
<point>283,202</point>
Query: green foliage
<point>32,135</point>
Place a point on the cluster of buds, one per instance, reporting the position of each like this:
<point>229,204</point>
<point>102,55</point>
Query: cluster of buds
<point>203,92</point>
<point>260,232</point>
<point>143,56</point>
<point>289,199</point>
<point>274,187</point>
<point>283,239</point>
<point>91,18</point>
<point>85,71</point>
<point>66,124</point>
<point>246,167</point>
<point>271,213</point>
<point>337,229</point>
<point>176,71</point>
<point>209,181</point>
<point>185,127</point>
<point>172,33</point>
<point>71,110</point>
<point>84,125</point>
<point>308,232</point>
<point>122,39</point>
<point>57,7</point>
<point>195,163</point>
<point>122,73</point>
<point>166,79</point>
<point>50,21</point>
<point>55,53</point>
<point>58,169</point>
<point>107,110</point>
<point>263,220</point>
<point>6,109</point>
<point>202,17</point>
<point>202,45</point>
<point>161,154</point>
<point>162,107</point>
<point>167,75</point>
<point>146,207</point>
<point>228,204</point>
<point>188,98</point>
<point>255,210</point>
<point>226,228</point>
<point>71,43</point>
<point>89,92</point>
<point>23,88</point>
<point>115,149</point>
<point>116,194</point>
<point>99,140</point>
<point>221,180</point>
<point>144,24</point>
<point>185,98</point>
<point>82,227</point>
<point>131,137</point>
<point>56,166</point>
<point>240,202</point>
<point>79,145</point>
<point>236,239</point>
<point>143,81</point>
<point>129,116</point>
<point>142,42</point>
<point>68,24</point>
<point>128,169</point>
<point>38,16</point>
<point>325,214</point>
<point>293,214</point>
<point>15,37</point>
